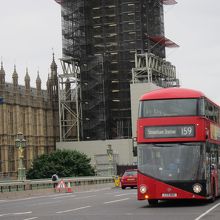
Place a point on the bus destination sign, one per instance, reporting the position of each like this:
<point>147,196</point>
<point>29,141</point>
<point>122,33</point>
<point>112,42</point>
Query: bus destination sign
<point>176,131</point>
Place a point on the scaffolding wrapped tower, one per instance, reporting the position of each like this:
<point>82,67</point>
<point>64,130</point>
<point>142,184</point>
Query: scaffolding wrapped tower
<point>104,36</point>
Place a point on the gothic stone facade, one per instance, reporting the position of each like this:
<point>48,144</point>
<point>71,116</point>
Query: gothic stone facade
<point>32,111</point>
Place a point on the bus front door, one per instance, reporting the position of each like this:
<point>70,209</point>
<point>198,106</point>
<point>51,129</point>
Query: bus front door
<point>214,173</point>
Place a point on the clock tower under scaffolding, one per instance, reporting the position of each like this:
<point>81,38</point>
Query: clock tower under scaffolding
<point>103,44</point>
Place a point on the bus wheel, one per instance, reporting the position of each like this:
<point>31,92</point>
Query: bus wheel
<point>153,202</point>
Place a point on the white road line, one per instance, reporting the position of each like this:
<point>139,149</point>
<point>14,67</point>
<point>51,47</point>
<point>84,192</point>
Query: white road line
<point>94,190</point>
<point>49,196</point>
<point>21,213</point>
<point>84,197</point>
<point>205,213</point>
<point>4,214</point>
<point>64,197</point>
<point>125,194</point>
<point>30,218</point>
<point>33,197</point>
<point>119,200</point>
<point>72,210</point>
<point>111,193</point>
<point>42,203</point>
<point>118,195</point>
<point>17,213</point>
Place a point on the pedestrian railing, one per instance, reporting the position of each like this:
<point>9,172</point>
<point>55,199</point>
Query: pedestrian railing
<point>48,183</point>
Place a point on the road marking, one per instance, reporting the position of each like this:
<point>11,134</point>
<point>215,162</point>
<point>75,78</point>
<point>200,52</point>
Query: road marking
<point>21,213</point>
<point>51,196</point>
<point>119,200</point>
<point>17,213</point>
<point>84,197</point>
<point>209,210</point>
<point>111,193</point>
<point>57,200</point>
<point>125,194</point>
<point>94,190</point>
<point>56,196</point>
<point>33,197</point>
<point>30,218</point>
<point>72,210</point>
<point>64,197</point>
<point>42,203</point>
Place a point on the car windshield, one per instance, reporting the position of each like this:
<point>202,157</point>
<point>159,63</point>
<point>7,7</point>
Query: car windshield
<point>174,161</point>
<point>130,173</point>
<point>168,107</point>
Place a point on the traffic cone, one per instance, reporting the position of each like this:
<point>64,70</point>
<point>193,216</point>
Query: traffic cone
<point>69,189</point>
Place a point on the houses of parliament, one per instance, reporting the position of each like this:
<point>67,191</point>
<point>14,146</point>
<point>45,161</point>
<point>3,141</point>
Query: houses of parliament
<point>31,111</point>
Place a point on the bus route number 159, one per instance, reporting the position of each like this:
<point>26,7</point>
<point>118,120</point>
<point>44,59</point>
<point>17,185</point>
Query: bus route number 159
<point>187,131</point>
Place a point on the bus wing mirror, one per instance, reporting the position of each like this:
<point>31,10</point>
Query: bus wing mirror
<point>212,166</point>
<point>135,151</point>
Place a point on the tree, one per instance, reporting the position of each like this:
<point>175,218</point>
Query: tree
<point>65,163</point>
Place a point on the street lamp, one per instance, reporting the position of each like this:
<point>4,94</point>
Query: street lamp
<point>110,158</point>
<point>20,144</point>
<point>134,146</point>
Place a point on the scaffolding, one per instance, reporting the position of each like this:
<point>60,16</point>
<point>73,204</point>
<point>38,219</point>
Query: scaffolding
<point>74,27</point>
<point>94,87</point>
<point>153,69</point>
<point>104,36</point>
<point>70,109</point>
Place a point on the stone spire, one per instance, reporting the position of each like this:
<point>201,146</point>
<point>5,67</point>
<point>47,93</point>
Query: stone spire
<point>38,82</point>
<point>48,81</point>
<point>27,80</point>
<point>53,67</point>
<point>53,81</point>
<point>2,74</point>
<point>15,77</point>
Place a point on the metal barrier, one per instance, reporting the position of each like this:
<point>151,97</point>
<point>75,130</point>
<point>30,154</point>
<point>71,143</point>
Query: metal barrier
<point>46,184</point>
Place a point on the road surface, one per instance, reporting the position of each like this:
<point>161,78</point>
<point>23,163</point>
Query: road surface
<point>104,203</point>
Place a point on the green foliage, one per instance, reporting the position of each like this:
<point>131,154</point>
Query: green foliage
<point>65,163</point>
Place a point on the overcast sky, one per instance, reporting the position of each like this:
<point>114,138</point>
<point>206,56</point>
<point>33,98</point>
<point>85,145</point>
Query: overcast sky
<point>31,30</point>
<point>195,26</point>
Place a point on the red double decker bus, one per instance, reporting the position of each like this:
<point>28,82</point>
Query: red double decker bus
<point>178,145</point>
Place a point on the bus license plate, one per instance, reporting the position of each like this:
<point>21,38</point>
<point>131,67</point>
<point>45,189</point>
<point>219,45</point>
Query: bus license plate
<point>169,194</point>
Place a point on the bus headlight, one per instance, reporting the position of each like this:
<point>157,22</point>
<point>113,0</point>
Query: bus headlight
<point>197,188</point>
<point>143,189</point>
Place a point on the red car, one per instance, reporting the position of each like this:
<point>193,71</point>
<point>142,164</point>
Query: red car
<point>129,179</point>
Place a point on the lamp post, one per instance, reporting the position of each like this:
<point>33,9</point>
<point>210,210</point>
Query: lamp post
<point>20,144</point>
<point>110,158</point>
<point>134,146</point>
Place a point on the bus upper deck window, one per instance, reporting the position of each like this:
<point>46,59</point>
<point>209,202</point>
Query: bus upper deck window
<point>201,106</point>
<point>140,114</point>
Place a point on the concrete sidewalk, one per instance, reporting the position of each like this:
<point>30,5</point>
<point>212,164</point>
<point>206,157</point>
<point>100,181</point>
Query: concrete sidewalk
<point>39,192</point>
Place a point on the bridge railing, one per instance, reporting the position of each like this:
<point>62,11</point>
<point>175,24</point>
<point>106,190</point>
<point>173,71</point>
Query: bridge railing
<point>48,183</point>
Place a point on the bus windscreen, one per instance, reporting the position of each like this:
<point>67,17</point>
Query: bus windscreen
<point>173,161</point>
